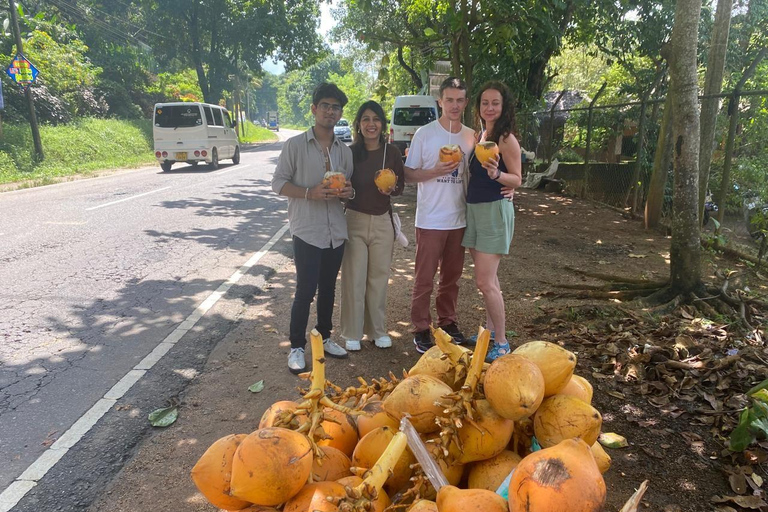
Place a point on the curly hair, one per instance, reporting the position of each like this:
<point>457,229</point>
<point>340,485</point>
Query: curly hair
<point>505,124</point>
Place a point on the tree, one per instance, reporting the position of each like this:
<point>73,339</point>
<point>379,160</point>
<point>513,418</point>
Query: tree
<point>220,38</point>
<point>713,85</point>
<point>685,265</point>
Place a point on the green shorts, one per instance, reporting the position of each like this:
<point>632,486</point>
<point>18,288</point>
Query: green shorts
<point>490,226</point>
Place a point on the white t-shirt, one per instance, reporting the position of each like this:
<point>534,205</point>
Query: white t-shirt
<point>441,202</point>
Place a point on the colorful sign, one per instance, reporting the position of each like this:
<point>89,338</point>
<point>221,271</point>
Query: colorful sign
<point>22,71</point>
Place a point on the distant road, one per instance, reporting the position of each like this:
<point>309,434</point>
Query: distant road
<point>96,273</point>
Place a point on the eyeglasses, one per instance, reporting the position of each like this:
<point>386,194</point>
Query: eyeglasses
<point>333,107</point>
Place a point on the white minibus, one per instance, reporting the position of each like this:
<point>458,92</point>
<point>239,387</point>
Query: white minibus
<point>408,114</point>
<point>193,133</point>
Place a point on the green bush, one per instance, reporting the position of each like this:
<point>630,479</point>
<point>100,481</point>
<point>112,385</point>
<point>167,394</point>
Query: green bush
<point>81,147</point>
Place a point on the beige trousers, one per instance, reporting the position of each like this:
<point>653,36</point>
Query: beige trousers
<point>365,275</point>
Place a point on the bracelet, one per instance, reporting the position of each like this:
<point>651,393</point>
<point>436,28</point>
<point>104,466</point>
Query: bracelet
<point>306,193</point>
<point>498,175</point>
<point>354,193</point>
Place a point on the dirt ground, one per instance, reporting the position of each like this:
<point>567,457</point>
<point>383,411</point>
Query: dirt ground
<point>556,238</point>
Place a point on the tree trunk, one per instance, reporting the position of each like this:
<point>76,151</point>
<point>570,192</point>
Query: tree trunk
<point>685,251</point>
<point>194,33</point>
<point>713,85</point>
<point>661,161</point>
<point>412,72</point>
<point>215,59</point>
<point>466,60</point>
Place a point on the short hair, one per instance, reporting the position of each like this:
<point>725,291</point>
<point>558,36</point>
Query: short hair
<point>328,90</point>
<point>453,83</point>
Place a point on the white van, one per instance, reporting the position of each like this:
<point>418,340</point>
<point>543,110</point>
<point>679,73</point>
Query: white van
<point>408,114</point>
<point>194,133</point>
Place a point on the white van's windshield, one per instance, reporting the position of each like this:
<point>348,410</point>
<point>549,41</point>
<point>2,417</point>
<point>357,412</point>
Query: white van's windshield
<point>413,116</point>
<point>178,116</point>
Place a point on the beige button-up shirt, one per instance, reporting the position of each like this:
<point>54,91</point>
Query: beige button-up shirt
<point>302,162</point>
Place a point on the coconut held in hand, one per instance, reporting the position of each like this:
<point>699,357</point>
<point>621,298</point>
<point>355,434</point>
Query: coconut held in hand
<point>485,151</point>
<point>335,180</point>
<point>385,180</point>
<point>450,153</point>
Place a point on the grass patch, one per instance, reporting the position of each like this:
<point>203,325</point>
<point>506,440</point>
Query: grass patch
<point>81,147</point>
<point>255,133</point>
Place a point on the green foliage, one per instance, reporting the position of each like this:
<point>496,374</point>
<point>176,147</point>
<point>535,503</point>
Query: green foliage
<point>255,133</point>
<point>77,148</point>
<point>181,86</point>
<point>357,88</point>
<point>753,422</point>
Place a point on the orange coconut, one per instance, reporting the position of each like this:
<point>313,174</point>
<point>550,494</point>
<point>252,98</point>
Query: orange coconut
<point>385,180</point>
<point>562,478</point>
<point>284,461</point>
<point>450,153</point>
<point>342,430</point>
<point>485,151</point>
<point>335,180</point>
<point>375,416</point>
<point>453,499</point>
<point>563,417</point>
<point>213,472</point>
<point>555,362</point>
<point>490,473</point>
<point>333,466</point>
<point>514,386</point>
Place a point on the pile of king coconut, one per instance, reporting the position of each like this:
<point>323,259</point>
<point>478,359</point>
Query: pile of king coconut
<point>526,414</point>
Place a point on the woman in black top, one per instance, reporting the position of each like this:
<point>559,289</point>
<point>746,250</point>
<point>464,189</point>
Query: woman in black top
<point>490,215</point>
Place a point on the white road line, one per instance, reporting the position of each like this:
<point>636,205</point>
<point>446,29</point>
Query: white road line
<point>37,470</point>
<point>126,199</point>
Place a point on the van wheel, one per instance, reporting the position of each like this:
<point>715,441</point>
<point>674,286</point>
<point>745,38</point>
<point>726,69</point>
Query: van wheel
<point>214,159</point>
<point>236,158</point>
<point>166,166</point>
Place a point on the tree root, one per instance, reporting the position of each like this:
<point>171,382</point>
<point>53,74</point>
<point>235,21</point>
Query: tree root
<point>618,279</point>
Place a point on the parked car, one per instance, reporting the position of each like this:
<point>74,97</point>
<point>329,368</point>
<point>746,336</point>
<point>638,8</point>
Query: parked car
<point>194,132</point>
<point>342,131</point>
<point>408,114</point>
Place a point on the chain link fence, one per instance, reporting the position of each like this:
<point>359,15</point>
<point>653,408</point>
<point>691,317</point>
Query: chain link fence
<point>606,152</point>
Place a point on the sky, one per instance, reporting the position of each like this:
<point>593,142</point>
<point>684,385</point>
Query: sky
<point>326,24</point>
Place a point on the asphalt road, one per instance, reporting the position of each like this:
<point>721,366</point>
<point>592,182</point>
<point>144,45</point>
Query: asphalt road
<point>95,273</point>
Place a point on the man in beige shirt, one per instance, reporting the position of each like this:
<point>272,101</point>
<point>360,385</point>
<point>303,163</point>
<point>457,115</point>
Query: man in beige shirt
<point>316,218</point>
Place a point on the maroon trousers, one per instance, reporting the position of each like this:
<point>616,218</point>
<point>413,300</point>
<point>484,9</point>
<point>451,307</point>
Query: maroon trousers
<point>443,249</point>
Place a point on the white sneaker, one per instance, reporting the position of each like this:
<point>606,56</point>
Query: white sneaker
<point>383,342</point>
<point>333,349</point>
<point>296,361</point>
<point>352,345</point>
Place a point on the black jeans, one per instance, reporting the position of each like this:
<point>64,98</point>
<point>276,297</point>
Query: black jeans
<point>316,271</point>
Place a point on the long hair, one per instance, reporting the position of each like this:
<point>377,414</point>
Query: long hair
<point>505,124</point>
<point>358,146</point>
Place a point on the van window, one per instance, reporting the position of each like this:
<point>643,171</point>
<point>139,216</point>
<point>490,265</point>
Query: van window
<point>178,116</point>
<point>218,121</point>
<point>208,115</point>
<point>414,116</point>
<point>228,118</point>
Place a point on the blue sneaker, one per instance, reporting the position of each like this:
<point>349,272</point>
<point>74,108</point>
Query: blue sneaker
<point>496,351</point>
<point>472,340</point>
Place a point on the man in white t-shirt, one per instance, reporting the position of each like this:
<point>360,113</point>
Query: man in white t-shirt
<point>440,214</point>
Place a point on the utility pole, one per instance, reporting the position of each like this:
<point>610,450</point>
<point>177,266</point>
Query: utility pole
<point>27,91</point>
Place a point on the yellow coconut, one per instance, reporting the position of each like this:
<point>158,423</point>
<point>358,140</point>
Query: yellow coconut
<point>213,472</point>
<point>602,459</point>
<point>385,180</point>
<point>486,438</point>
<point>564,417</point>
<point>372,446</point>
<point>275,410</point>
<point>484,151</point>
<point>555,362</point>
<point>562,478</point>
<point>423,506</point>
<point>453,499</point>
<point>314,497</point>
<point>333,466</point>
<point>342,429</point>
<point>514,386</point>
<point>579,387</point>
<point>270,466</point>
<point>436,364</point>
<point>375,416</point>
<point>419,396</point>
<point>489,474</point>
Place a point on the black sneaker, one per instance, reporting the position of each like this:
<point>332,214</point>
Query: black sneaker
<point>453,331</point>
<point>423,341</point>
